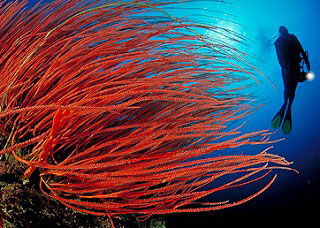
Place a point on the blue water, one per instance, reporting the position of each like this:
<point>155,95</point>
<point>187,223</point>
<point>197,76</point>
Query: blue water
<point>291,197</point>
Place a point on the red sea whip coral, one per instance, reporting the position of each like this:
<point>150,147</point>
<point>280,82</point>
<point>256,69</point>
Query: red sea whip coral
<point>119,102</point>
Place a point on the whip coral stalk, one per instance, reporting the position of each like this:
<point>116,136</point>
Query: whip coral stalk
<point>119,102</point>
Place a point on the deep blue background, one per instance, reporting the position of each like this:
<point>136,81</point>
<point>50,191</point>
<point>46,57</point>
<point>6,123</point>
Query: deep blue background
<point>293,197</point>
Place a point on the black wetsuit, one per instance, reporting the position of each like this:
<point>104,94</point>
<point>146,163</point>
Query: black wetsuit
<point>288,50</point>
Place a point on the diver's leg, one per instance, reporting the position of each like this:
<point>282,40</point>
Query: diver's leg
<point>293,83</point>
<point>277,119</point>
<point>292,95</point>
<point>287,123</point>
<point>285,98</point>
<point>285,77</point>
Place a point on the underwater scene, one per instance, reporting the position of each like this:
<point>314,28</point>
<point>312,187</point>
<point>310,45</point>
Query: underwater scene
<point>159,113</point>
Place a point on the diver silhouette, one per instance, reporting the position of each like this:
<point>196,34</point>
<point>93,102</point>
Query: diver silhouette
<point>289,51</point>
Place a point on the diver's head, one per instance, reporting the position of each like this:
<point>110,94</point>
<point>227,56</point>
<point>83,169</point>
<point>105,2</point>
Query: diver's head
<point>283,31</point>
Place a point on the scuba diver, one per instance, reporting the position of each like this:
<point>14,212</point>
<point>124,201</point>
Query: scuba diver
<point>289,51</point>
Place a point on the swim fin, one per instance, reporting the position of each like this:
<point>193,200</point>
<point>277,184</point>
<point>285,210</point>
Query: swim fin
<point>277,119</point>
<point>287,123</point>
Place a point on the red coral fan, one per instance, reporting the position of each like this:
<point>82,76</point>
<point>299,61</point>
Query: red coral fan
<point>119,102</point>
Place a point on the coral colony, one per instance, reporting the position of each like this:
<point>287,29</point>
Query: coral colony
<point>124,108</point>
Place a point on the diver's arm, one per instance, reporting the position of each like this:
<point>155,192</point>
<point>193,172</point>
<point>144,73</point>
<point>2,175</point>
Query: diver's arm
<point>281,60</point>
<point>283,63</point>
